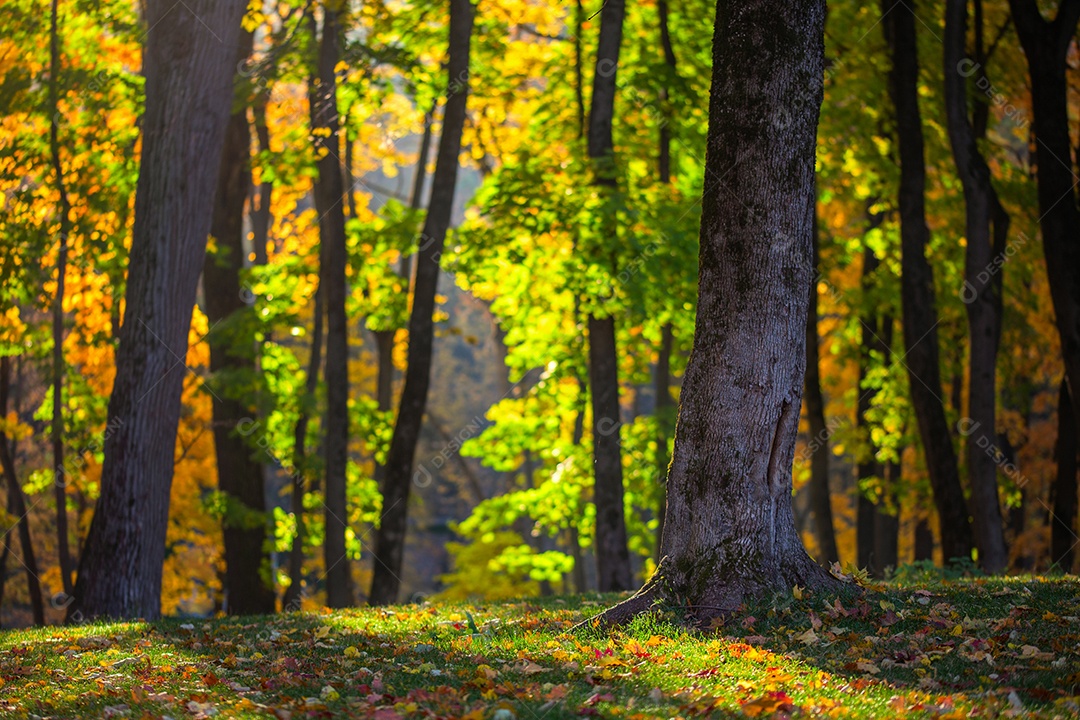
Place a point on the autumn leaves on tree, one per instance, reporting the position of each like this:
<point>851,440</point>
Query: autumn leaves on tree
<point>321,303</point>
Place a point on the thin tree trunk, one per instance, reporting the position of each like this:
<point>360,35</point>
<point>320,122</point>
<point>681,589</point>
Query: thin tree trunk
<point>868,465</point>
<point>240,477</point>
<point>1046,45</point>
<point>979,297</point>
<point>730,533</point>
<point>16,503</point>
<point>59,476</point>
<point>917,288</point>
<point>390,542</point>
<point>416,200</point>
<point>820,496</point>
<point>261,218</point>
<point>329,194</point>
<point>612,555</point>
<point>887,521</point>
<point>1062,531</point>
<point>292,597</point>
<point>188,64</point>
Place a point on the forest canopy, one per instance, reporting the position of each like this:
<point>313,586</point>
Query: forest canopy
<point>323,303</point>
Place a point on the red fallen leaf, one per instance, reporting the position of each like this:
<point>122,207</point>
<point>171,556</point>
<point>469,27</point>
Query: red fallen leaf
<point>211,679</point>
<point>707,672</point>
<point>815,621</point>
<point>387,714</point>
<point>890,618</point>
<point>599,697</point>
<point>769,703</point>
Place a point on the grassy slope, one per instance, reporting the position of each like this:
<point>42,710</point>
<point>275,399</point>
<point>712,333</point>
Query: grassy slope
<point>1000,646</point>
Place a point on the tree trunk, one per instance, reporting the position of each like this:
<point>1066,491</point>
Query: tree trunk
<point>917,288</point>
<point>667,337</point>
<point>887,521</point>
<point>390,542</point>
<point>58,364</point>
<point>261,217</point>
<point>292,598</point>
<point>612,555</point>
<point>868,466</point>
<point>188,64</point>
<point>16,502</point>
<point>329,194</point>
<point>1046,45</point>
<point>664,418</point>
<point>730,533</point>
<point>232,351</point>
<point>979,297</point>
<point>820,497</point>
<point>1062,532</point>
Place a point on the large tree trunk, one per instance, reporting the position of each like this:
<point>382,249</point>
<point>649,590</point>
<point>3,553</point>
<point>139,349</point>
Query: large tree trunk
<point>58,363</point>
<point>188,64</point>
<point>1062,531</point>
<point>16,502</point>
<point>978,296</point>
<point>730,532</point>
<point>390,542</point>
<point>329,194</point>
<point>917,288</point>
<point>820,497</point>
<point>664,420</point>
<point>612,555</point>
<point>1045,45</point>
<point>232,350</point>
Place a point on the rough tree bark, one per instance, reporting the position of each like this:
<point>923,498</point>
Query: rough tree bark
<point>390,541</point>
<point>979,296</point>
<point>667,336</point>
<point>188,64</point>
<point>1046,44</point>
<point>820,497</point>
<point>59,476</point>
<point>730,532</point>
<point>16,502</point>
<point>329,195</point>
<point>917,287</point>
<point>612,555</point>
<point>232,350</point>
<point>1062,530</point>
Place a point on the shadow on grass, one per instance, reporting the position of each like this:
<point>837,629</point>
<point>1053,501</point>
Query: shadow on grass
<point>988,645</point>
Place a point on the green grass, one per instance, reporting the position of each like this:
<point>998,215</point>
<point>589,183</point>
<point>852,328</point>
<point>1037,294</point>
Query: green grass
<point>993,647</point>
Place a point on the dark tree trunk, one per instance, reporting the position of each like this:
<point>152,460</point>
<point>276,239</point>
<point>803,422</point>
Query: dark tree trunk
<point>16,502</point>
<point>261,218</point>
<point>612,555</point>
<point>390,542</point>
<point>730,532</point>
<point>232,351</point>
<point>416,200</point>
<point>188,64</point>
<point>293,595</point>
<point>1062,531</point>
<point>917,288</point>
<point>870,326</point>
<point>59,476</point>
<point>1046,45</point>
<point>924,540</point>
<point>329,195</point>
<point>820,497</point>
<point>979,297</point>
<point>887,521</point>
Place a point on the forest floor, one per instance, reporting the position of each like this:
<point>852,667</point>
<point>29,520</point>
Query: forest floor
<point>965,648</point>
